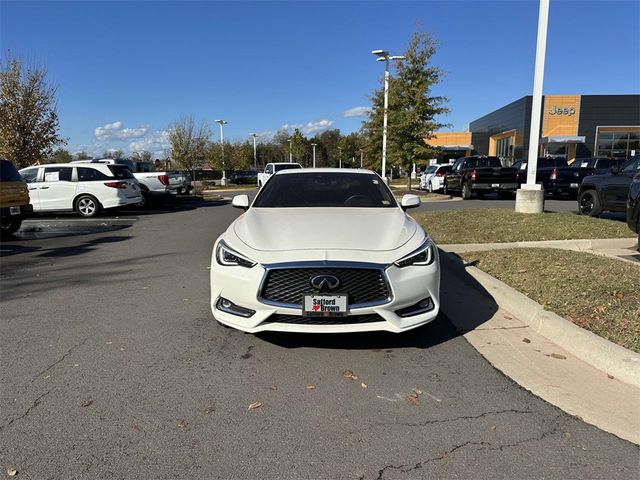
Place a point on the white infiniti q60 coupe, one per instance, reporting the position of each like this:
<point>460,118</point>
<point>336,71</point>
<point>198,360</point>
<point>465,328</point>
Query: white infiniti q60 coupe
<point>325,250</point>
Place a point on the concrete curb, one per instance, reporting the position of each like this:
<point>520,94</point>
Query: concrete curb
<point>602,354</point>
<point>578,245</point>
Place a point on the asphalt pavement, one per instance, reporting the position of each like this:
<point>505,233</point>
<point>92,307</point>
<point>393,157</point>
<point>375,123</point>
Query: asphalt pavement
<point>113,367</point>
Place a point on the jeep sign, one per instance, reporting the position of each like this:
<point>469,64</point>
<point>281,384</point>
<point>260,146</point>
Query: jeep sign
<point>568,111</point>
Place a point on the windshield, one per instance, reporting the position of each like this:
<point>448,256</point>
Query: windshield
<point>325,189</point>
<point>286,166</point>
<point>9,173</point>
<point>121,171</point>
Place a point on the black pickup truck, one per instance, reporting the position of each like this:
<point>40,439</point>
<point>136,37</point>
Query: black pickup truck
<point>480,174</point>
<point>609,191</point>
<point>558,178</point>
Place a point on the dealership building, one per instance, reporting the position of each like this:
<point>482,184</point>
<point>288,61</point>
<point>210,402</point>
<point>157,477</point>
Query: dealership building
<point>572,126</point>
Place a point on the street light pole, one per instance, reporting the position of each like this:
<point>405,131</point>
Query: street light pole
<point>255,151</point>
<point>361,157</point>
<point>290,151</point>
<point>383,56</point>
<point>313,145</point>
<point>223,181</point>
<point>339,157</point>
<point>530,196</point>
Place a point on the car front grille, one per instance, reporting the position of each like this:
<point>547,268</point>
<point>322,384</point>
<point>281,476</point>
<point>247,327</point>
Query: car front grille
<point>288,286</point>
<point>348,320</point>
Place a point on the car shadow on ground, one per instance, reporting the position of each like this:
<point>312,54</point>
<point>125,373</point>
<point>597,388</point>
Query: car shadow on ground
<point>170,205</point>
<point>464,303</point>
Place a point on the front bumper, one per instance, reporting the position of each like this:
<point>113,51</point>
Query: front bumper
<point>408,286</point>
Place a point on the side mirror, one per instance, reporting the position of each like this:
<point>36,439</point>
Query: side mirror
<point>241,201</point>
<point>615,169</point>
<point>410,201</point>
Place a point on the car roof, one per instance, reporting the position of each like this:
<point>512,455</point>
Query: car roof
<point>304,171</point>
<point>71,165</point>
<point>284,163</point>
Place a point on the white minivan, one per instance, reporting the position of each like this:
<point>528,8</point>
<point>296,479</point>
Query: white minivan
<point>86,188</point>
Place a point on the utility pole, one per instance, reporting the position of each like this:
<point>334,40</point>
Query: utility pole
<point>530,196</point>
<point>223,181</point>
<point>313,145</point>
<point>255,151</point>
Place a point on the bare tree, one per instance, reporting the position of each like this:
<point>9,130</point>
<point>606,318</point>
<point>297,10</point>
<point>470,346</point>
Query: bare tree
<point>143,156</point>
<point>29,126</point>
<point>189,142</point>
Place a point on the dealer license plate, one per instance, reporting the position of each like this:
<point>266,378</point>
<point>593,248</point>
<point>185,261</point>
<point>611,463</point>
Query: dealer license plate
<point>14,210</point>
<point>325,305</point>
<point>574,185</point>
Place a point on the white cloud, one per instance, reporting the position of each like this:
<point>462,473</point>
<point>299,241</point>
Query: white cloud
<point>115,131</point>
<point>356,112</point>
<point>309,127</point>
<point>155,142</point>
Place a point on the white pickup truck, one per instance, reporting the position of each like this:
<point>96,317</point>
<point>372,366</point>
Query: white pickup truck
<point>272,168</point>
<point>151,182</point>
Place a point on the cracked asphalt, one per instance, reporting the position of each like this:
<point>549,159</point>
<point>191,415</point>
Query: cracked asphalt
<point>112,367</point>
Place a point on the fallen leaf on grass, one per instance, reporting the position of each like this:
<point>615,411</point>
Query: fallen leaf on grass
<point>610,376</point>
<point>417,392</point>
<point>181,423</point>
<point>310,387</point>
<point>254,405</point>
<point>364,385</point>
<point>567,435</point>
<point>526,340</point>
<point>87,402</point>
<point>12,472</point>
<point>558,356</point>
<point>209,410</point>
<point>274,387</point>
<point>348,374</point>
<point>619,295</point>
<point>493,427</point>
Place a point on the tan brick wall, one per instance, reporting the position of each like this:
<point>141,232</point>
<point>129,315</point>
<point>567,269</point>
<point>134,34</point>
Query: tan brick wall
<point>449,138</point>
<point>560,115</point>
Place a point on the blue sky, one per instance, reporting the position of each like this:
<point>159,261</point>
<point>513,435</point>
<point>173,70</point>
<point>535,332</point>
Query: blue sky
<point>126,70</point>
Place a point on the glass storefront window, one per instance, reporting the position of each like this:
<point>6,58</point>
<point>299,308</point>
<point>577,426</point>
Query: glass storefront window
<point>618,144</point>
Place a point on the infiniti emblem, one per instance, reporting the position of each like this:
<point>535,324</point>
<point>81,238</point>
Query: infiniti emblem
<point>325,282</point>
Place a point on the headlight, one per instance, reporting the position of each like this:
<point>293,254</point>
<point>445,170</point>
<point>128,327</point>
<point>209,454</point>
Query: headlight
<point>424,255</point>
<point>225,255</point>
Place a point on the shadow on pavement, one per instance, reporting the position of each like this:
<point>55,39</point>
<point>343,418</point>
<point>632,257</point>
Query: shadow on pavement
<point>170,205</point>
<point>465,305</point>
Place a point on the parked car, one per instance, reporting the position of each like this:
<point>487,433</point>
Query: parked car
<point>14,198</point>
<point>559,178</point>
<point>480,174</point>
<point>608,192</point>
<point>244,177</point>
<point>152,183</point>
<point>633,207</point>
<point>433,177</point>
<point>327,251</point>
<point>272,168</point>
<point>86,188</point>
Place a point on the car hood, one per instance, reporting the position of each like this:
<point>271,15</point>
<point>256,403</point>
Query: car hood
<point>282,229</point>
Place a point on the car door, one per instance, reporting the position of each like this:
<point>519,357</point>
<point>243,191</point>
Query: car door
<point>616,190</point>
<point>30,176</point>
<point>57,190</point>
<point>453,177</point>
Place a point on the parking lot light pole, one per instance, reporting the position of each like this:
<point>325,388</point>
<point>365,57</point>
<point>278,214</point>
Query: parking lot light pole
<point>313,145</point>
<point>361,157</point>
<point>383,56</point>
<point>290,150</point>
<point>223,181</point>
<point>255,150</point>
<point>530,196</point>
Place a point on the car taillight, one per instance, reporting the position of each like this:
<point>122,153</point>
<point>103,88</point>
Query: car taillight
<point>554,174</point>
<point>440,174</point>
<point>116,184</point>
<point>164,179</point>
<point>473,176</point>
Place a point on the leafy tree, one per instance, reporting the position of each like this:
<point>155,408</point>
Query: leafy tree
<point>412,108</point>
<point>189,142</point>
<point>114,154</point>
<point>143,156</point>
<point>61,156</point>
<point>328,141</point>
<point>82,155</point>
<point>299,147</point>
<point>29,126</point>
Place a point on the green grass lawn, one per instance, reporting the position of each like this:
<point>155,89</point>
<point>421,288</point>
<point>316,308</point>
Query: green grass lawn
<point>487,225</point>
<point>596,293</point>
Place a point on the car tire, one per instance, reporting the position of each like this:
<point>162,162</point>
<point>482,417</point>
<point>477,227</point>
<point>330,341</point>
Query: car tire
<point>589,203</point>
<point>430,187</point>
<point>445,189</point>
<point>465,193</point>
<point>10,226</point>
<point>87,206</point>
